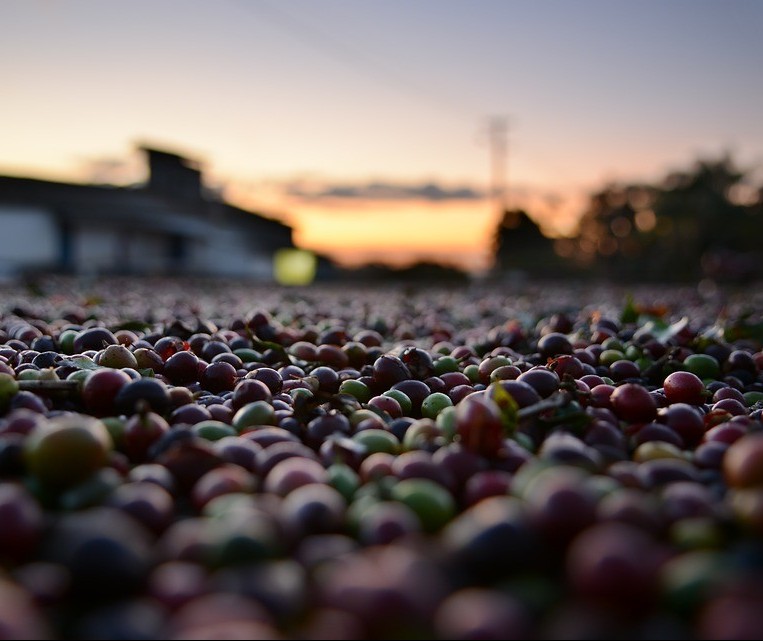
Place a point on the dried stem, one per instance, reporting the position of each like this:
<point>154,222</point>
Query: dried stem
<point>557,399</point>
<point>48,386</point>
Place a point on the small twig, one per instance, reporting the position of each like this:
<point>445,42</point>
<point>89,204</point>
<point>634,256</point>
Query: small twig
<point>655,370</point>
<point>557,399</point>
<point>47,386</point>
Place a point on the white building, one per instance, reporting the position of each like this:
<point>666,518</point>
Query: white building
<point>166,227</point>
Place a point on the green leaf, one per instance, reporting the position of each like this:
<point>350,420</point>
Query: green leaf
<point>629,313</point>
<point>347,404</point>
<point>133,326</point>
<point>713,334</point>
<point>304,406</point>
<point>80,363</point>
<point>507,406</point>
<point>261,345</point>
<point>664,335</point>
<point>571,417</point>
<point>649,326</point>
<point>743,330</point>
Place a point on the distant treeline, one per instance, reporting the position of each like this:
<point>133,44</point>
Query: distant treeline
<point>704,222</point>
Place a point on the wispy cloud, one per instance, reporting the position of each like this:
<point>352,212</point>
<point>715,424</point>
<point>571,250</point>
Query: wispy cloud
<point>383,191</point>
<point>317,198</point>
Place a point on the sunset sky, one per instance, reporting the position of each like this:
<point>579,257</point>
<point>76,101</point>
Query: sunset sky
<point>365,124</point>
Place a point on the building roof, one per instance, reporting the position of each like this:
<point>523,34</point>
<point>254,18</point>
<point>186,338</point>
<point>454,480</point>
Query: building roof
<point>144,207</point>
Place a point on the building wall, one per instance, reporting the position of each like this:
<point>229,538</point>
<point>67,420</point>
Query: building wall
<point>148,253</point>
<point>33,239</point>
<point>119,251</point>
<point>29,239</point>
<point>223,252</point>
<point>228,252</point>
<point>96,250</point>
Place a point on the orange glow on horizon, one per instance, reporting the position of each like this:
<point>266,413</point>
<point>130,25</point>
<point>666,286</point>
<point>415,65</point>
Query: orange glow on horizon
<point>353,232</point>
<point>465,258</point>
<point>358,231</point>
<point>406,224</point>
<point>455,233</point>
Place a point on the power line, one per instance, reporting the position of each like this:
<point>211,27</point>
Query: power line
<point>367,66</point>
<point>314,36</point>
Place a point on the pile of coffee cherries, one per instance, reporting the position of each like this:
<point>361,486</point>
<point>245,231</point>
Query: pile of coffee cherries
<point>204,460</point>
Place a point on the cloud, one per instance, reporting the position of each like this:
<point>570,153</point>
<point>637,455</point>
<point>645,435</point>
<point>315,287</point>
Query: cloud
<point>383,191</point>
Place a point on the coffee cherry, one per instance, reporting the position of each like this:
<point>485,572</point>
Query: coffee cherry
<point>684,387</point>
<point>633,403</point>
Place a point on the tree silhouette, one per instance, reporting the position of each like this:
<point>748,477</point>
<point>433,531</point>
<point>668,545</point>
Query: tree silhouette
<point>689,226</point>
<point>519,245</point>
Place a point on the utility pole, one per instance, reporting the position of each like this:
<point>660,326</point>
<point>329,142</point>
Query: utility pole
<point>498,129</point>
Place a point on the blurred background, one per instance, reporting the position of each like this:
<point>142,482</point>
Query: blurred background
<point>307,139</point>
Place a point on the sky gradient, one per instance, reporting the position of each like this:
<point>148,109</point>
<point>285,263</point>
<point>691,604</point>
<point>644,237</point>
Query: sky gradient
<point>365,124</point>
